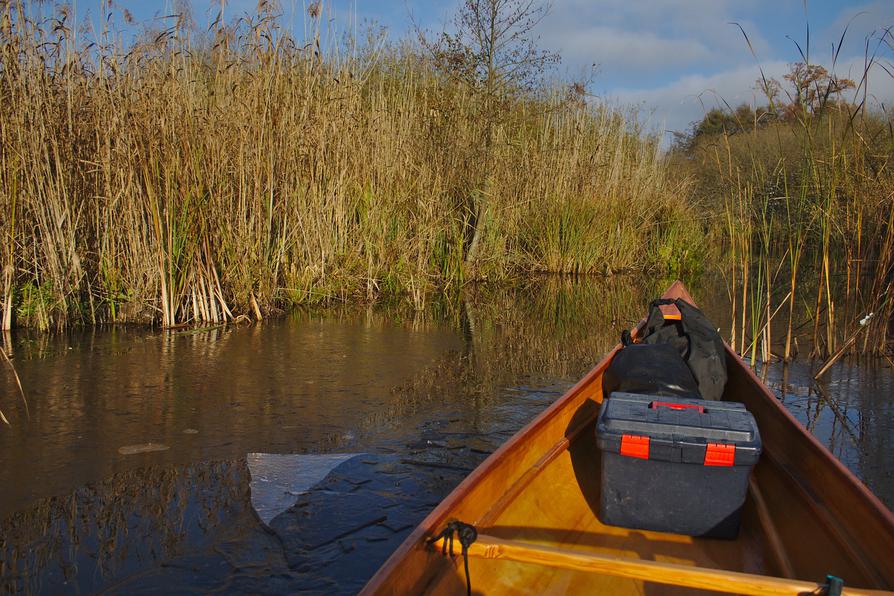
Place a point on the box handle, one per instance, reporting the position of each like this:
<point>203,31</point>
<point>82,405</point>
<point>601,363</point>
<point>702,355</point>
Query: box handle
<point>673,406</point>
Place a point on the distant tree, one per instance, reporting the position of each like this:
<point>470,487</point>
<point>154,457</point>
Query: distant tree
<point>811,89</point>
<point>769,88</point>
<point>716,121</point>
<point>813,86</point>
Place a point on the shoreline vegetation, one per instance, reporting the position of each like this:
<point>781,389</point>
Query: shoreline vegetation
<point>192,176</point>
<point>806,188</point>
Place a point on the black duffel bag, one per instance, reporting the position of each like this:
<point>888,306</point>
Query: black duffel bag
<point>695,339</point>
<point>650,369</point>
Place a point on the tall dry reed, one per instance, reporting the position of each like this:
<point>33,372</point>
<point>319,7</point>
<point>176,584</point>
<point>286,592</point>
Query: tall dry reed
<point>808,206</point>
<point>186,176</point>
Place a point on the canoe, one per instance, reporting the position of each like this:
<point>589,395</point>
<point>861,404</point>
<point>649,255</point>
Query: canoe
<point>534,505</point>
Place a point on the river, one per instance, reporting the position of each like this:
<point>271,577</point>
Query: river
<point>296,454</point>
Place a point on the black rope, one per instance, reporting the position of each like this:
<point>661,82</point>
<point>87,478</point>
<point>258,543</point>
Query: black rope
<point>467,534</point>
<point>662,302</point>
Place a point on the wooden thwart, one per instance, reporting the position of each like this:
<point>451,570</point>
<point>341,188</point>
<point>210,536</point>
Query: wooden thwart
<point>489,547</point>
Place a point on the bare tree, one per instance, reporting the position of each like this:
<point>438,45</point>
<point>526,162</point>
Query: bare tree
<point>493,46</point>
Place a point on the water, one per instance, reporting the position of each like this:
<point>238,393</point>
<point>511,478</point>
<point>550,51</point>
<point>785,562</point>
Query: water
<point>143,467</point>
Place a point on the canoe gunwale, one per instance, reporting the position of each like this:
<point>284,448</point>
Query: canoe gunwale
<point>871,506</point>
<point>828,511</point>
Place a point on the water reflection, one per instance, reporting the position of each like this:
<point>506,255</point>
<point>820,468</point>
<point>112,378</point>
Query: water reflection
<point>290,386</point>
<point>849,409</point>
<point>129,523</point>
<point>425,395</point>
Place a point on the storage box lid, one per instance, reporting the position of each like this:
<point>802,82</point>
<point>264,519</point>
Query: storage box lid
<point>710,433</point>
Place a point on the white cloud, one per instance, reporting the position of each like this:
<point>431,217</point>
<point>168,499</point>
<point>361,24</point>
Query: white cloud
<point>647,37</point>
<point>685,100</point>
<point>631,50</point>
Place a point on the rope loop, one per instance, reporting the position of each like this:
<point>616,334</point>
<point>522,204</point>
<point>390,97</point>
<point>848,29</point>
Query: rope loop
<point>467,534</point>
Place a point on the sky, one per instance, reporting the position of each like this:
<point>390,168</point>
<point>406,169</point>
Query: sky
<point>671,59</point>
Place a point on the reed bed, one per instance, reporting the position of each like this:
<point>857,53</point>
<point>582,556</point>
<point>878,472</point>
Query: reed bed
<point>182,176</point>
<point>807,204</point>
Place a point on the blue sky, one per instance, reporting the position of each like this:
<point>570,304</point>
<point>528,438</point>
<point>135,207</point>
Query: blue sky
<point>672,59</point>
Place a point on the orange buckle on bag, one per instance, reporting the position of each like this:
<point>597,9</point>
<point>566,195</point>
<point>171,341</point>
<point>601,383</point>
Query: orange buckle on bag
<point>718,454</point>
<point>670,312</point>
<point>635,446</point>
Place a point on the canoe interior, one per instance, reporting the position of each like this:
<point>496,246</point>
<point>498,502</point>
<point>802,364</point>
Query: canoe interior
<point>805,517</point>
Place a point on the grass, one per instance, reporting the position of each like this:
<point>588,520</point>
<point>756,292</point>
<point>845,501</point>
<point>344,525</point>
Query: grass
<point>185,176</point>
<point>807,204</point>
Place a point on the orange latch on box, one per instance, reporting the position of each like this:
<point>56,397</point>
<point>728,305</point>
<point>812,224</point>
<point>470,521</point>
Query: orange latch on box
<point>718,454</point>
<point>635,446</point>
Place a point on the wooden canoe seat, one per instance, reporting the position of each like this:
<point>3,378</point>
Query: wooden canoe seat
<point>658,572</point>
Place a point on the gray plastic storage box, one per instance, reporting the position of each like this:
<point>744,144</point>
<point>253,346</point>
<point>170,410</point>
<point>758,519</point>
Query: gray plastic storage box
<point>675,465</point>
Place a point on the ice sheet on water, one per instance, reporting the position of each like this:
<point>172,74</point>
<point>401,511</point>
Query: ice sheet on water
<point>278,479</point>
